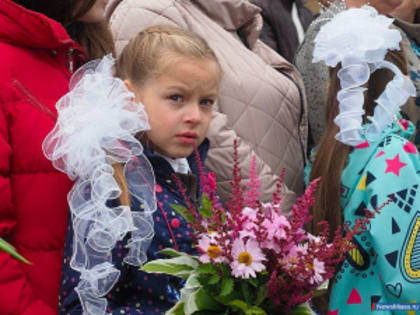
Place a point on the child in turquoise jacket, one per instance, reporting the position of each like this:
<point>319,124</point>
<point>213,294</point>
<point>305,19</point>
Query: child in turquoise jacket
<point>369,163</point>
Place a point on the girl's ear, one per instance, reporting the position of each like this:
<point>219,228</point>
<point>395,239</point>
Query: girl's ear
<point>129,85</point>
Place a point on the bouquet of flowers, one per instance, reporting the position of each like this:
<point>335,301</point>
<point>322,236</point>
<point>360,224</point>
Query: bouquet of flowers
<point>252,259</point>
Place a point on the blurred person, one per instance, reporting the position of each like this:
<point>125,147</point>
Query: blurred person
<point>367,165</point>
<point>41,44</point>
<point>316,75</point>
<point>407,19</point>
<point>261,101</point>
<point>285,24</point>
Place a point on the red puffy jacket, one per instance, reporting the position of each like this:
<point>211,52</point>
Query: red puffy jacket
<point>36,60</point>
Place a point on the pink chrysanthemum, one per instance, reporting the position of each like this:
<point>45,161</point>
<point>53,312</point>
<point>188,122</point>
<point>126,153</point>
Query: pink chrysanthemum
<point>247,258</point>
<point>318,268</point>
<point>291,260</point>
<point>212,252</point>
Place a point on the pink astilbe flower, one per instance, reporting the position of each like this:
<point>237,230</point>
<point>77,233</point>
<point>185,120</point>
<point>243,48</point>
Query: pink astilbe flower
<point>248,223</point>
<point>276,226</point>
<point>247,259</point>
<point>236,201</point>
<point>254,184</point>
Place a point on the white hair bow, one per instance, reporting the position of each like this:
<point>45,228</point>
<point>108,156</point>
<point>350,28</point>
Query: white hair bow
<point>359,39</point>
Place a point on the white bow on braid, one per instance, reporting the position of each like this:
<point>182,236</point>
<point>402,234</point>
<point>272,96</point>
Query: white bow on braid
<point>359,39</point>
<point>96,127</point>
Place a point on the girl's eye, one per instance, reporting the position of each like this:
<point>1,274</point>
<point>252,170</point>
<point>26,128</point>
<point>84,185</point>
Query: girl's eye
<point>176,98</point>
<point>207,102</point>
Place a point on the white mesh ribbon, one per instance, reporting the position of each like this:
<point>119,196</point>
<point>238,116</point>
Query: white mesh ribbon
<point>96,127</point>
<point>359,39</point>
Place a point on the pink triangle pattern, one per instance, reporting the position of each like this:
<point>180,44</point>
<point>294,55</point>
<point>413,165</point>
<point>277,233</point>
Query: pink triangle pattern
<point>380,153</point>
<point>354,297</point>
<point>410,148</point>
<point>363,145</point>
<point>333,312</point>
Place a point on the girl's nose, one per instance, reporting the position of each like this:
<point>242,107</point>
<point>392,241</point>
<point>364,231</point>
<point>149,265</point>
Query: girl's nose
<point>193,115</point>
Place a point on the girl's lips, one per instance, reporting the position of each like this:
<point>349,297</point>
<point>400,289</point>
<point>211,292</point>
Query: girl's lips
<point>186,139</point>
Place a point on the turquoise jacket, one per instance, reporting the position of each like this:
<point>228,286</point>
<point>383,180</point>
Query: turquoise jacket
<point>385,265</point>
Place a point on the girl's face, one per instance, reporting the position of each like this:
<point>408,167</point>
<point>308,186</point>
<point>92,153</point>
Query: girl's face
<point>96,13</point>
<point>179,104</point>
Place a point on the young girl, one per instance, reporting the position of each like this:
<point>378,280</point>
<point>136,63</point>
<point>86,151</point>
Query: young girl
<point>261,104</point>
<point>365,161</point>
<point>176,76</point>
<point>41,44</point>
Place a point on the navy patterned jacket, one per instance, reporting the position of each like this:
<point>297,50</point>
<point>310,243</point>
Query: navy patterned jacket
<point>137,292</point>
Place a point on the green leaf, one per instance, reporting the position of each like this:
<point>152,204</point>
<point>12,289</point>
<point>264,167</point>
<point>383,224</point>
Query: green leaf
<point>254,282</point>
<point>206,206</point>
<point>207,269</point>
<point>199,301</point>
<point>226,287</point>
<point>171,252</point>
<point>246,292</point>
<point>323,286</point>
<point>214,279</point>
<point>255,310</point>
<point>182,266</point>
<point>261,295</point>
<point>6,247</point>
<point>183,211</point>
<point>178,309</point>
<point>322,289</point>
<point>225,270</point>
<point>242,305</point>
<point>302,309</point>
<point>223,218</point>
<point>225,300</point>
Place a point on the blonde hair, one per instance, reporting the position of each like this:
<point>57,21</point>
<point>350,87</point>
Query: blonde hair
<point>146,56</point>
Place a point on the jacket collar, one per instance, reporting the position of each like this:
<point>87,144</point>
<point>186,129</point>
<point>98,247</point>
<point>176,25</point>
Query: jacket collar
<point>22,27</point>
<point>162,167</point>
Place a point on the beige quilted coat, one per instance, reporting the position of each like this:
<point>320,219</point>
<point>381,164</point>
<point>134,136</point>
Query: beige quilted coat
<point>262,107</point>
